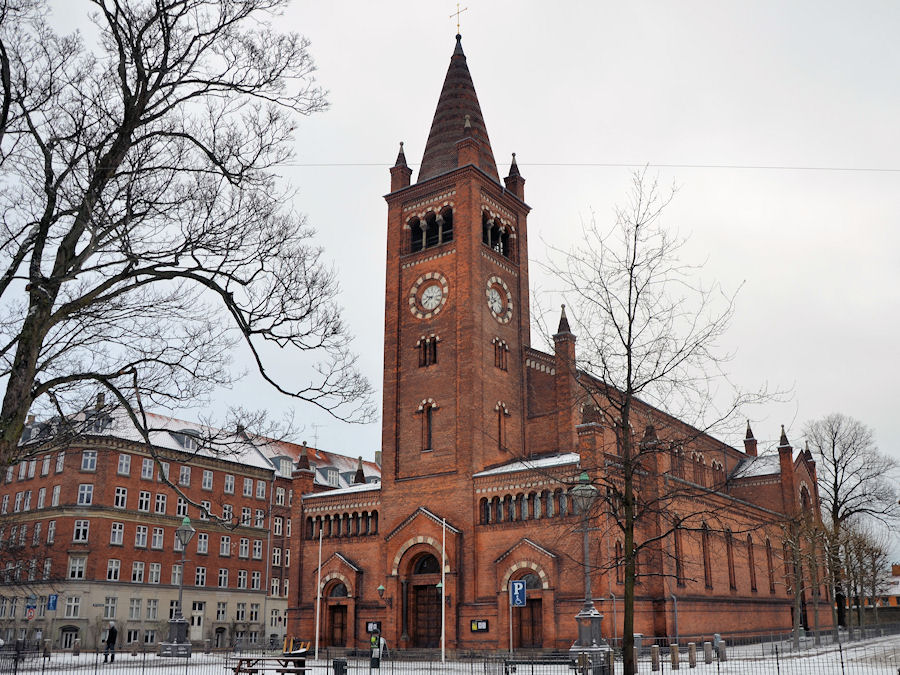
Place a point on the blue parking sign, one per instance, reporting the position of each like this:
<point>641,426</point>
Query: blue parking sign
<point>51,602</point>
<point>517,593</point>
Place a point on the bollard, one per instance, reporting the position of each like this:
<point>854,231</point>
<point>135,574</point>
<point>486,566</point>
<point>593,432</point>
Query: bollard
<point>676,656</point>
<point>692,654</point>
<point>707,652</point>
<point>654,658</point>
<point>722,656</point>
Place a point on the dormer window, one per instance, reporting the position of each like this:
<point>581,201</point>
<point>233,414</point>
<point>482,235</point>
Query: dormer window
<point>432,229</point>
<point>286,466</point>
<point>332,477</point>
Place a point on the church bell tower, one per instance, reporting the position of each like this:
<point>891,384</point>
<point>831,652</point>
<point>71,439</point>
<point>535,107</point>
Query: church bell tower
<point>457,309</point>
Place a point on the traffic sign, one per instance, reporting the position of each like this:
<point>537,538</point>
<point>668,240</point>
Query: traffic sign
<point>51,601</point>
<point>517,595</point>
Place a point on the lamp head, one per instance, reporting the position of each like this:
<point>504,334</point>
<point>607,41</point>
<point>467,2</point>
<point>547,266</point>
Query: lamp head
<point>185,531</point>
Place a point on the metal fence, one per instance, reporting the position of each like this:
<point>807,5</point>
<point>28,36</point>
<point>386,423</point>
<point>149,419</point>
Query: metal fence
<point>875,656</point>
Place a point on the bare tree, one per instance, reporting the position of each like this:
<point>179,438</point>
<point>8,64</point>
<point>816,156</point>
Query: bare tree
<point>648,363</point>
<point>855,481</point>
<point>144,230</point>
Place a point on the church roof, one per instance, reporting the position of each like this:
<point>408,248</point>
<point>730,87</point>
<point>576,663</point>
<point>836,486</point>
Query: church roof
<point>457,116</point>
<point>530,464</point>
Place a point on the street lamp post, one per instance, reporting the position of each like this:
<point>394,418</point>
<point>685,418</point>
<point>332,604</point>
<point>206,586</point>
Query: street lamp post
<point>178,644</point>
<point>590,641</point>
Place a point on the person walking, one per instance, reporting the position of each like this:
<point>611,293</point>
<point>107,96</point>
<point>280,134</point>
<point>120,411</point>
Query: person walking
<point>111,636</point>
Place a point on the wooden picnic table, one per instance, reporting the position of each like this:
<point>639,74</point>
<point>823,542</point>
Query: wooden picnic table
<point>285,664</point>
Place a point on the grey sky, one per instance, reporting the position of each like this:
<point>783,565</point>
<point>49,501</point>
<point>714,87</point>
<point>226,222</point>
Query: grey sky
<point>696,84</point>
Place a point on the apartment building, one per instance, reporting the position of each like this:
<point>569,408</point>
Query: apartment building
<point>87,534</point>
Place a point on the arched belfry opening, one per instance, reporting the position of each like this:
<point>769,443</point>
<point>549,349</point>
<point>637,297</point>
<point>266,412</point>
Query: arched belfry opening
<point>496,235</point>
<point>432,229</point>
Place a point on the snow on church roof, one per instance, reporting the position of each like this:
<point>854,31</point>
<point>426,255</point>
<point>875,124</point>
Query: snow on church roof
<point>530,464</point>
<point>751,467</point>
<point>358,487</point>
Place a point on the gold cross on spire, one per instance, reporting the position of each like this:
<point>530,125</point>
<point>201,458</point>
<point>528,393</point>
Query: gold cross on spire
<point>456,14</point>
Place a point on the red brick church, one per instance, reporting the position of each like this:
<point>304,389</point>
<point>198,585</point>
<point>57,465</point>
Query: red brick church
<point>482,437</point>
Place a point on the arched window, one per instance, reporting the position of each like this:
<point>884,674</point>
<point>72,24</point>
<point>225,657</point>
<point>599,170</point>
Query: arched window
<point>427,348</point>
<point>805,501</point>
<point>427,564</point>
<point>679,559</point>
<point>535,500</point>
<point>373,522</point>
<point>426,409</point>
<point>770,566</point>
<point>496,235</point>
<point>523,506</point>
<point>509,508</point>
<point>699,469</point>
<point>532,581</point>
<point>483,511</point>
<point>502,413</point>
<point>704,545</point>
<point>309,527</point>
<point>339,590</point>
<point>751,562</point>
<point>431,230</point>
<point>729,552</point>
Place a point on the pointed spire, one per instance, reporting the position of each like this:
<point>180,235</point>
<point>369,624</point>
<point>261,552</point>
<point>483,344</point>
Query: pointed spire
<point>401,157</point>
<point>513,167</point>
<point>458,49</point>
<point>514,181</point>
<point>783,441</point>
<point>457,101</point>
<point>563,322</point>
<point>359,477</point>
<point>749,442</point>
<point>400,172</point>
<point>650,437</point>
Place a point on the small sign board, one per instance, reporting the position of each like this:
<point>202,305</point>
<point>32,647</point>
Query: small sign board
<point>373,626</point>
<point>29,613</point>
<point>517,595</point>
<point>52,599</point>
<point>479,625</point>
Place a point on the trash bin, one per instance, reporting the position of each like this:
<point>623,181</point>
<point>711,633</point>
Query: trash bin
<point>638,643</point>
<point>339,666</point>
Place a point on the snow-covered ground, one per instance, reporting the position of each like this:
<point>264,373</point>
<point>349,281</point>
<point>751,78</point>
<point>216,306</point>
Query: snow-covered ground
<point>879,656</point>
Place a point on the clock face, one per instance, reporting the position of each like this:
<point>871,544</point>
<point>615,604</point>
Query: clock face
<point>428,295</point>
<point>499,299</point>
<point>495,302</point>
<point>431,296</point>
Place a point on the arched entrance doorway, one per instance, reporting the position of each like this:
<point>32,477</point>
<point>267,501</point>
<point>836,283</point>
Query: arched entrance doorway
<point>527,620</point>
<point>336,627</point>
<point>425,602</point>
